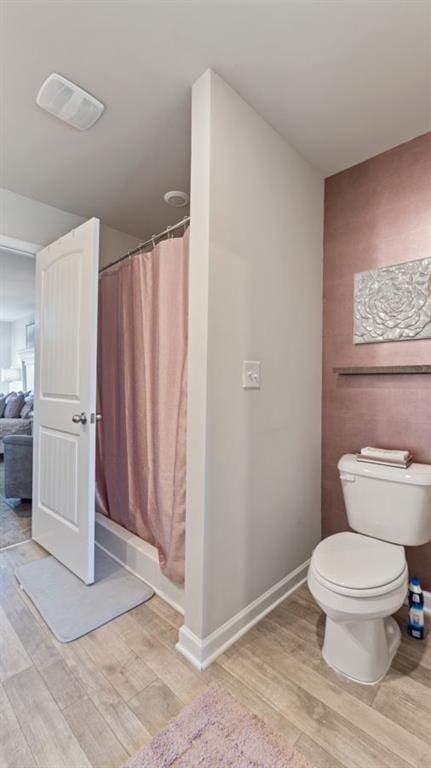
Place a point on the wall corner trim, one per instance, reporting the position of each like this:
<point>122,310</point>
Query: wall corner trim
<point>202,652</point>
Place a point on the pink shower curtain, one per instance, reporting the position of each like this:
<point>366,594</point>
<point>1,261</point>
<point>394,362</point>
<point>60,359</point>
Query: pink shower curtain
<point>142,355</point>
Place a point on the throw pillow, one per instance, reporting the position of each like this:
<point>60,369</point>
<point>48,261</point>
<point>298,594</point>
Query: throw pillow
<point>2,404</point>
<point>13,406</point>
<point>27,408</point>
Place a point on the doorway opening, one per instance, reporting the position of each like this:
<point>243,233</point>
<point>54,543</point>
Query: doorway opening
<point>17,358</point>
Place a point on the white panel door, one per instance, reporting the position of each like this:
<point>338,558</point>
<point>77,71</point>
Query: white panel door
<point>64,429</point>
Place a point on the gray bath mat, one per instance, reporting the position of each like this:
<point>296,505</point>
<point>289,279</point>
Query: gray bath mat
<point>70,607</point>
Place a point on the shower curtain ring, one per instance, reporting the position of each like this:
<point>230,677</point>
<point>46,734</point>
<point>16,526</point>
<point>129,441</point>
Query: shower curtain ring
<point>153,240</point>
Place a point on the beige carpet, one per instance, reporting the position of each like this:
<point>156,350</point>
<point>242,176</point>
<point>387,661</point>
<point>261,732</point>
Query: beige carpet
<point>215,731</point>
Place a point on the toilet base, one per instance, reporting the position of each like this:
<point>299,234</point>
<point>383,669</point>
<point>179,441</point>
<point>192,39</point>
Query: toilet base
<point>361,651</point>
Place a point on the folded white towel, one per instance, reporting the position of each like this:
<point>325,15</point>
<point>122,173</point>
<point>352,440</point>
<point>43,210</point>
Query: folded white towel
<point>384,454</point>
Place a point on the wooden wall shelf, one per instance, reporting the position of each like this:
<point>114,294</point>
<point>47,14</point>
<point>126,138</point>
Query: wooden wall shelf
<point>378,370</point>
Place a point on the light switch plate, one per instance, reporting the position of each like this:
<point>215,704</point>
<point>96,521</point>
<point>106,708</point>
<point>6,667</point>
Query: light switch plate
<point>251,374</point>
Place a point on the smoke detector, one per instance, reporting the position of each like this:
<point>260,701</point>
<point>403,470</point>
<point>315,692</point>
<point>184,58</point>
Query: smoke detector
<point>69,102</point>
<point>176,198</point>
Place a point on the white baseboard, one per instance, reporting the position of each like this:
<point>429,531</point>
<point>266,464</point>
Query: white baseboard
<point>202,652</point>
<point>12,546</point>
<point>138,557</point>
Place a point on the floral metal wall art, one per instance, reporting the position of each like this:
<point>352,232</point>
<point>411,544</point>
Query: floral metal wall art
<point>393,303</point>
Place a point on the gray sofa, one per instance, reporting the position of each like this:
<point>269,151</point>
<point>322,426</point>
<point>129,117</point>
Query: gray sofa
<point>13,427</point>
<point>18,466</point>
<point>22,423</point>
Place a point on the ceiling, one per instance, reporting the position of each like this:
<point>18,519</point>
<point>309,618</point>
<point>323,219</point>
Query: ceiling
<point>17,290</point>
<point>342,81</point>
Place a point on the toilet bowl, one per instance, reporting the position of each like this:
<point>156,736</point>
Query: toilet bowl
<point>359,582</point>
<point>359,579</point>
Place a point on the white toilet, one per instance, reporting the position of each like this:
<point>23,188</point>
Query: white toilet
<point>360,579</point>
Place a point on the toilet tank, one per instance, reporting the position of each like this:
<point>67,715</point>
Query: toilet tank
<point>387,503</point>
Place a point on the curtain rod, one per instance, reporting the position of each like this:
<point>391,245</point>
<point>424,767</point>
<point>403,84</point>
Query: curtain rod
<point>150,241</point>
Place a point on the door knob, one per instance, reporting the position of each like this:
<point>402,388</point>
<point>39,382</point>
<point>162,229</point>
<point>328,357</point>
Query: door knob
<point>79,418</point>
<point>95,417</point>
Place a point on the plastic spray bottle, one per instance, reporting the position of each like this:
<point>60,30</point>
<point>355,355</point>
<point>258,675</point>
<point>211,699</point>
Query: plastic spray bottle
<point>416,623</point>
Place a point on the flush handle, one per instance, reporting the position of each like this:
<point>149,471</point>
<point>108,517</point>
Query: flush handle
<point>344,477</point>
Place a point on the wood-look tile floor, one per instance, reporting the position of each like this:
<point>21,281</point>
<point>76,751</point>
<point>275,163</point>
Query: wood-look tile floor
<point>15,524</point>
<point>97,700</point>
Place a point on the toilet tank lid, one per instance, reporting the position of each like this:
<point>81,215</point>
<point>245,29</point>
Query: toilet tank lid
<point>415,474</point>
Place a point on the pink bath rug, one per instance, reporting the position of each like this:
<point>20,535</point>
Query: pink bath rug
<point>215,731</point>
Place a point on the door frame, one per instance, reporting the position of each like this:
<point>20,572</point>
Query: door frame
<point>21,247</point>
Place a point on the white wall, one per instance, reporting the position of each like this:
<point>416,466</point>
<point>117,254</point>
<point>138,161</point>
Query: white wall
<point>12,341</point>
<point>5,344</point>
<point>5,352</point>
<point>31,221</point>
<point>18,338</point>
<point>34,222</point>
<point>253,489</point>
<point>114,244</point>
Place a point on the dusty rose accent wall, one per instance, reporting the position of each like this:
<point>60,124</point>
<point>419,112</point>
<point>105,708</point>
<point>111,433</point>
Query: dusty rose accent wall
<point>376,213</point>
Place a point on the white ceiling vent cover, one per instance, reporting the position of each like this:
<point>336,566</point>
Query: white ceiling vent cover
<point>176,198</point>
<point>69,102</point>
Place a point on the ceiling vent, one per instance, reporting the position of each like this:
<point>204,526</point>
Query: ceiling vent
<point>176,198</point>
<point>69,102</point>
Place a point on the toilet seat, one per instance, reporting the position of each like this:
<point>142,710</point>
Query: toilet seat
<point>359,566</point>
